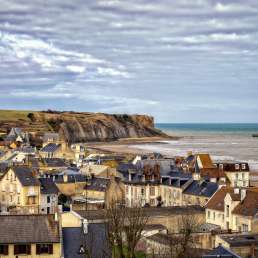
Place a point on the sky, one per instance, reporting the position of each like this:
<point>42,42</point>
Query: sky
<point>177,60</point>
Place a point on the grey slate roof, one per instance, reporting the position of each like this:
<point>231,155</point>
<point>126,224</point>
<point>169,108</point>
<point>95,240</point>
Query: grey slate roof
<point>25,176</point>
<point>98,184</point>
<point>221,252</point>
<point>95,241</point>
<point>51,147</point>
<point>238,240</point>
<point>70,178</point>
<point>55,162</point>
<point>201,188</point>
<point>28,229</point>
<point>47,186</point>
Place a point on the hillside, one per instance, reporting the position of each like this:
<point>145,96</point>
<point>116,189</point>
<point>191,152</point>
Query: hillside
<point>80,127</point>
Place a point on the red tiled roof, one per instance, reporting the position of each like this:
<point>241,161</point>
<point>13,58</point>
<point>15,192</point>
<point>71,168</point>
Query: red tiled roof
<point>217,200</point>
<point>249,205</point>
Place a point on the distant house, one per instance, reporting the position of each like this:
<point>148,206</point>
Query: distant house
<point>201,166</point>
<point>29,236</point>
<point>48,196</point>
<point>234,209</point>
<point>221,252</point>
<point>237,173</point>
<point>50,138</point>
<point>243,245</point>
<point>105,190</point>
<point>18,136</point>
<point>199,192</point>
<point>20,191</point>
<point>51,150</point>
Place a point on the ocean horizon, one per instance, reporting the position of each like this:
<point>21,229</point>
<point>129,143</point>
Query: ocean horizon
<point>210,128</point>
<point>223,141</point>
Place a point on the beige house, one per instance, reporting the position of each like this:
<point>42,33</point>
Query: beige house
<point>142,193</point>
<point>20,191</point>
<point>104,190</point>
<point>236,173</point>
<point>234,209</point>
<point>30,236</point>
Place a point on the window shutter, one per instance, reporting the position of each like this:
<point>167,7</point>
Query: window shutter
<point>50,249</point>
<point>28,251</point>
<point>37,249</point>
<point>16,249</point>
<point>6,250</point>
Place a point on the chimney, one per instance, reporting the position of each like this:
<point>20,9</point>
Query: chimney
<point>85,226</point>
<point>243,194</point>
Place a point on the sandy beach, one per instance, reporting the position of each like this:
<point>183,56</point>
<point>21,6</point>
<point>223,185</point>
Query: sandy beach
<point>128,145</point>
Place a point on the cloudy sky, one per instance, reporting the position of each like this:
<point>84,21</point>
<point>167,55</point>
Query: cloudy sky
<point>178,60</point>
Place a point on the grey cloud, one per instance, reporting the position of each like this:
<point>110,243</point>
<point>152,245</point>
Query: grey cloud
<point>131,56</point>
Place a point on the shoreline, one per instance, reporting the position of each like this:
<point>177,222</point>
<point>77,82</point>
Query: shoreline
<point>124,146</point>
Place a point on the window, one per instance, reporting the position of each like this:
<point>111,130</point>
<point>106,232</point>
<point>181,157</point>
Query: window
<point>214,215</point>
<point>245,228</point>
<point>48,199</point>
<point>209,214</point>
<point>243,166</point>
<point>152,191</point>
<point>152,202</point>
<point>44,249</point>
<point>22,249</point>
<point>4,249</point>
<point>143,191</point>
<point>227,211</point>
<point>18,199</point>
<point>237,166</point>
<point>221,166</point>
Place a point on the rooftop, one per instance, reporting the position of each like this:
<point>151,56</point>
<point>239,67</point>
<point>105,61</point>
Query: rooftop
<point>238,240</point>
<point>28,229</point>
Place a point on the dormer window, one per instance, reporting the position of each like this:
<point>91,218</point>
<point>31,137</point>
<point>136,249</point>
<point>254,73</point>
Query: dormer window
<point>221,166</point>
<point>237,166</point>
<point>243,166</point>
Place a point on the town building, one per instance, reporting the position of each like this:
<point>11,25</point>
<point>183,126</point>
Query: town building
<point>234,209</point>
<point>48,196</point>
<point>237,173</point>
<point>20,191</point>
<point>244,245</point>
<point>30,236</point>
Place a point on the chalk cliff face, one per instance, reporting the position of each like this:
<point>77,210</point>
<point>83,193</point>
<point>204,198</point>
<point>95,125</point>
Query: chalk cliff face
<point>81,127</point>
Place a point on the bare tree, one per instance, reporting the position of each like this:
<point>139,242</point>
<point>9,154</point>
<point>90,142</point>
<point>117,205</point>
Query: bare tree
<point>124,228</point>
<point>181,243</point>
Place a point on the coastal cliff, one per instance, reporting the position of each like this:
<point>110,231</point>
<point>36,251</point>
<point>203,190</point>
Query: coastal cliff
<point>81,127</point>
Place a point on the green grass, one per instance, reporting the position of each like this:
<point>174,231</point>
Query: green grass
<point>13,115</point>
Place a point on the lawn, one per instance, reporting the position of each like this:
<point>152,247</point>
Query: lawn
<point>13,115</point>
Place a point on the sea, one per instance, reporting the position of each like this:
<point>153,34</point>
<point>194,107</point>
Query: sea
<point>227,142</point>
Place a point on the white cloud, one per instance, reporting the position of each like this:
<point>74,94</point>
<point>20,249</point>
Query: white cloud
<point>76,68</point>
<point>112,72</point>
<point>227,8</point>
